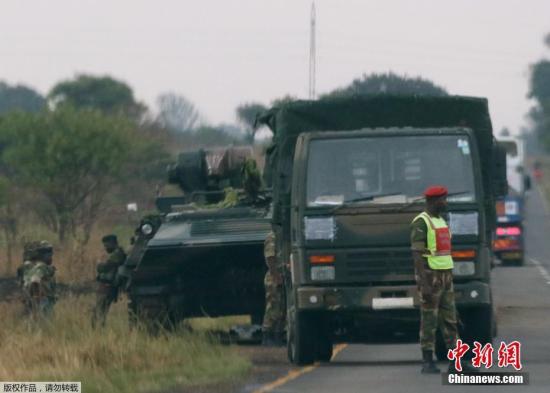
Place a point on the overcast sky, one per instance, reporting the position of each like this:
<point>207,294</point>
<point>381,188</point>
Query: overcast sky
<point>221,53</point>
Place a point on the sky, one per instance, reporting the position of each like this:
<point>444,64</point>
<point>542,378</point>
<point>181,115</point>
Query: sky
<point>222,53</point>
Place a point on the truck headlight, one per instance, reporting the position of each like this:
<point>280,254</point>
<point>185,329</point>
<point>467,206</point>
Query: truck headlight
<point>147,229</point>
<point>322,273</point>
<point>464,268</point>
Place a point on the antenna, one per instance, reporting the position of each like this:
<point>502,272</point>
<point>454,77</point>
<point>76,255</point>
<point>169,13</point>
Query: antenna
<point>312,54</point>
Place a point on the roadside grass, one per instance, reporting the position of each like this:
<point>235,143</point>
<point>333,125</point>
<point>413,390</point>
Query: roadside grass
<point>218,324</point>
<point>113,359</point>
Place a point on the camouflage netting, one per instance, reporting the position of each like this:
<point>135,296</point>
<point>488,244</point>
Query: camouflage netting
<point>354,113</point>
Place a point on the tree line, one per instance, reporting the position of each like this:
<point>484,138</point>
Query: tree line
<point>72,156</point>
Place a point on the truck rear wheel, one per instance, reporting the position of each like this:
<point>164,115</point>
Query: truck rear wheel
<point>301,345</point>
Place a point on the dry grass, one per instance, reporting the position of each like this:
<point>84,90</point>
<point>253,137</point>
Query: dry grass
<point>74,263</point>
<point>113,359</point>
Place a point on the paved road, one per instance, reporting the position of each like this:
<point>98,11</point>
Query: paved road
<point>522,296</point>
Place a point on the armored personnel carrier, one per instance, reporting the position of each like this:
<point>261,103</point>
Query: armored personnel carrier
<point>202,254</point>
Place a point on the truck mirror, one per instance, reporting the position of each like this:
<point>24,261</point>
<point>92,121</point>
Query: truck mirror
<point>500,182</point>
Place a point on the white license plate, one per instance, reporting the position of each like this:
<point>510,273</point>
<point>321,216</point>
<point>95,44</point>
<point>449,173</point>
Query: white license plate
<point>385,303</point>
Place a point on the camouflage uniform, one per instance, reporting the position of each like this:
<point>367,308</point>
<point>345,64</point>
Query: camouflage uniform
<point>107,285</point>
<point>437,299</point>
<point>274,317</point>
<point>29,259</point>
<point>37,280</point>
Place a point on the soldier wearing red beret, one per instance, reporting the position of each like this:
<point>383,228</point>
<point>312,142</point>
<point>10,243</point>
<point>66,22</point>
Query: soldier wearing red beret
<point>431,249</point>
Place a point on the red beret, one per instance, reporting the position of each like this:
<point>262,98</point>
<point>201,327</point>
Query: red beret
<point>435,191</point>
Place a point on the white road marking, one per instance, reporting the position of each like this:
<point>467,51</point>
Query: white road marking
<point>542,270</point>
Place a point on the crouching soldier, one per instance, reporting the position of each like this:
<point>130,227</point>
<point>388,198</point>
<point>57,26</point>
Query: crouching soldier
<point>107,280</point>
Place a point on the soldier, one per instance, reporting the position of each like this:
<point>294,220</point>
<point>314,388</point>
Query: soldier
<point>107,284</point>
<point>38,279</point>
<point>274,317</point>
<point>28,261</point>
<point>431,249</point>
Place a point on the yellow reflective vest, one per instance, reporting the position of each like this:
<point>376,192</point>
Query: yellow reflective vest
<point>439,242</point>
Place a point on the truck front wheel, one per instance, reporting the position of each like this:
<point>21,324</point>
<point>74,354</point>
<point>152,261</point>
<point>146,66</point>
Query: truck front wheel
<point>479,325</point>
<point>301,343</point>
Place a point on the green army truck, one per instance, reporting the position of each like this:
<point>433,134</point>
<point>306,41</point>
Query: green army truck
<point>348,176</point>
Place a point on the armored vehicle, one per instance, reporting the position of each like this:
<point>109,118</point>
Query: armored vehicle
<point>348,176</point>
<point>202,254</point>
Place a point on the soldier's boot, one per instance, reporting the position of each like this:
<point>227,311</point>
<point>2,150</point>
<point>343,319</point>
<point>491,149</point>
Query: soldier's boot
<point>467,368</point>
<point>428,364</point>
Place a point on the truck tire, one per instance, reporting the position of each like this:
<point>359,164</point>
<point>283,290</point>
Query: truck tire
<point>301,338</point>
<point>479,325</point>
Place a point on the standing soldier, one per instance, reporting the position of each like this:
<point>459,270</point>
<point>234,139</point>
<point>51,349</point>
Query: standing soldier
<point>274,317</point>
<point>38,279</point>
<point>107,286</point>
<point>431,249</point>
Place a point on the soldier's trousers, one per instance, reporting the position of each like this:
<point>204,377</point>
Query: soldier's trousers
<point>105,296</point>
<point>274,317</point>
<point>437,309</point>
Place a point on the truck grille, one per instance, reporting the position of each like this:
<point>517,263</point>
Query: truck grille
<point>380,263</point>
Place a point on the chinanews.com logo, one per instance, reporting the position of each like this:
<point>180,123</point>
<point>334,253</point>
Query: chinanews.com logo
<point>507,358</point>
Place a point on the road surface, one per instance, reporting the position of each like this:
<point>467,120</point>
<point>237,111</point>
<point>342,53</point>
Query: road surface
<point>522,296</point>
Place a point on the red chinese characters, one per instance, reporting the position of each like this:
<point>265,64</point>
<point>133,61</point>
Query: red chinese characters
<point>456,354</point>
<point>510,355</point>
<point>483,355</point>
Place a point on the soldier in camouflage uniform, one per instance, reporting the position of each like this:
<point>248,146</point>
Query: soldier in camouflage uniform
<point>274,317</point>
<point>431,249</point>
<point>28,261</point>
<point>37,279</point>
<point>107,279</point>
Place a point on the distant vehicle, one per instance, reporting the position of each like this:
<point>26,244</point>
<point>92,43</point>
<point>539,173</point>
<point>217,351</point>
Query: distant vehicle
<point>348,176</point>
<point>509,244</point>
<point>200,256</point>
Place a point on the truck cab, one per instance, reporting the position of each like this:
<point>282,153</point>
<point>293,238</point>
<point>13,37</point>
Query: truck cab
<point>354,189</point>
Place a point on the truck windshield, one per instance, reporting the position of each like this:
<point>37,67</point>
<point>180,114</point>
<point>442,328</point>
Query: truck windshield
<point>386,170</point>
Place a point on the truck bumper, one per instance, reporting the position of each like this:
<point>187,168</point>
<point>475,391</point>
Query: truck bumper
<point>470,294</point>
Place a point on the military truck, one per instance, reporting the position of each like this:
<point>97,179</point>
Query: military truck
<point>348,176</point>
<point>202,254</point>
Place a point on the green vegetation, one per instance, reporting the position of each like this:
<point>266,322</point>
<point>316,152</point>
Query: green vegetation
<point>102,93</point>
<point>20,98</point>
<point>539,90</point>
<point>113,359</point>
<point>388,83</point>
